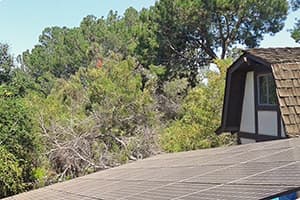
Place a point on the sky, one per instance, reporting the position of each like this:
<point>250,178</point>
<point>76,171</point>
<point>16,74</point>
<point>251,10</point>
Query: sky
<point>22,21</point>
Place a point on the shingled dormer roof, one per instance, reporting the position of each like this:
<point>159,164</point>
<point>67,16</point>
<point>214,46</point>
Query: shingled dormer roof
<point>276,55</point>
<point>285,64</point>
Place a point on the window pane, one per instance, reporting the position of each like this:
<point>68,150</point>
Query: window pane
<point>272,91</point>
<point>262,82</point>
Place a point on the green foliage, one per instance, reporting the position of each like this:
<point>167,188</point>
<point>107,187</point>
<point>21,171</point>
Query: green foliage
<point>10,174</point>
<point>17,132</point>
<point>6,64</point>
<point>61,52</point>
<point>180,136</point>
<point>85,116</point>
<point>200,115</point>
<point>173,94</point>
<point>295,4</point>
<point>191,32</point>
<point>182,35</point>
<point>176,88</point>
<point>40,176</point>
<point>92,120</point>
<point>117,90</point>
<point>157,70</point>
<point>296,32</point>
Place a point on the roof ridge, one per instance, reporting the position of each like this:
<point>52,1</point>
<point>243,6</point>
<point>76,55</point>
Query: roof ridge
<point>266,48</point>
<point>276,55</point>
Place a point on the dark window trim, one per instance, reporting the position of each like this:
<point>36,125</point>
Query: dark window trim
<point>258,138</point>
<point>267,107</point>
<point>255,102</point>
<point>257,92</point>
<point>279,131</point>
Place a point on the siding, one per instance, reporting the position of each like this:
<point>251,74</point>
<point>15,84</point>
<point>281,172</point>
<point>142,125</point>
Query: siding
<point>248,110</point>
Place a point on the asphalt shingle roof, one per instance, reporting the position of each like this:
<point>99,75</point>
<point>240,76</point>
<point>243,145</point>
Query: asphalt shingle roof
<point>248,172</point>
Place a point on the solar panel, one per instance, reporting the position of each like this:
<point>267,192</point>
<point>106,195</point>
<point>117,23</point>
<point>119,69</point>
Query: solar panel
<point>248,172</point>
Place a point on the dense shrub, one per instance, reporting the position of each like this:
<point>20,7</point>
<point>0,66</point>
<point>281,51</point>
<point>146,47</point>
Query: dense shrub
<point>17,132</point>
<point>200,116</point>
<point>10,174</point>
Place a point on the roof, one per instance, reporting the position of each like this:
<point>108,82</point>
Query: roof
<point>253,171</point>
<point>287,79</point>
<point>276,55</point>
<point>285,64</point>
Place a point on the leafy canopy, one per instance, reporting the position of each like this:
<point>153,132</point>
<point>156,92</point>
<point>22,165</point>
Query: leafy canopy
<point>6,64</point>
<point>194,32</point>
<point>200,116</point>
<point>296,32</point>
<point>10,174</point>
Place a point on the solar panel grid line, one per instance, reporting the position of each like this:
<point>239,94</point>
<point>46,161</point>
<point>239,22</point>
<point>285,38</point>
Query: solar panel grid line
<point>93,192</point>
<point>219,150</point>
<point>263,185</point>
<point>258,193</point>
<point>79,195</point>
<point>82,187</point>
<point>225,194</point>
<point>207,172</point>
<point>234,181</point>
<point>241,192</point>
<point>243,148</point>
<point>219,197</point>
<point>52,194</point>
<point>228,196</point>
<point>231,166</point>
<point>170,192</point>
<point>249,172</point>
<point>166,196</point>
<point>238,172</point>
<point>139,193</point>
<point>139,186</point>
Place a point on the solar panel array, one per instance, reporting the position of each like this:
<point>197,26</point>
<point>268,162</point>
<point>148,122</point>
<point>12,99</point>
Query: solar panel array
<point>248,172</point>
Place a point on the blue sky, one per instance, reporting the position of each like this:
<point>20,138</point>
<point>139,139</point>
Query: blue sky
<point>22,21</point>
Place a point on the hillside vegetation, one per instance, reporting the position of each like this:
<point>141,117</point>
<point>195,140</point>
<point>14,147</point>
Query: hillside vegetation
<point>121,88</point>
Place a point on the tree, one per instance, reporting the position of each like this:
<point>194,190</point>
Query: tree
<point>10,174</point>
<point>192,33</point>
<point>129,35</point>
<point>98,118</point>
<point>295,4</point>
<point>6,64</point>
<point>200,116</point>
<point>61,52</point>
<point>17,132</point>
<point>296,32</point>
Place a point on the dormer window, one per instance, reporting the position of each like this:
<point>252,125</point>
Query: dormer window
<point>266,90</point>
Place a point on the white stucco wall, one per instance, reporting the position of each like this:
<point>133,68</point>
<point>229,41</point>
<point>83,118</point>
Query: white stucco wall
<point>248,110</point>
<point>267,123</point>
